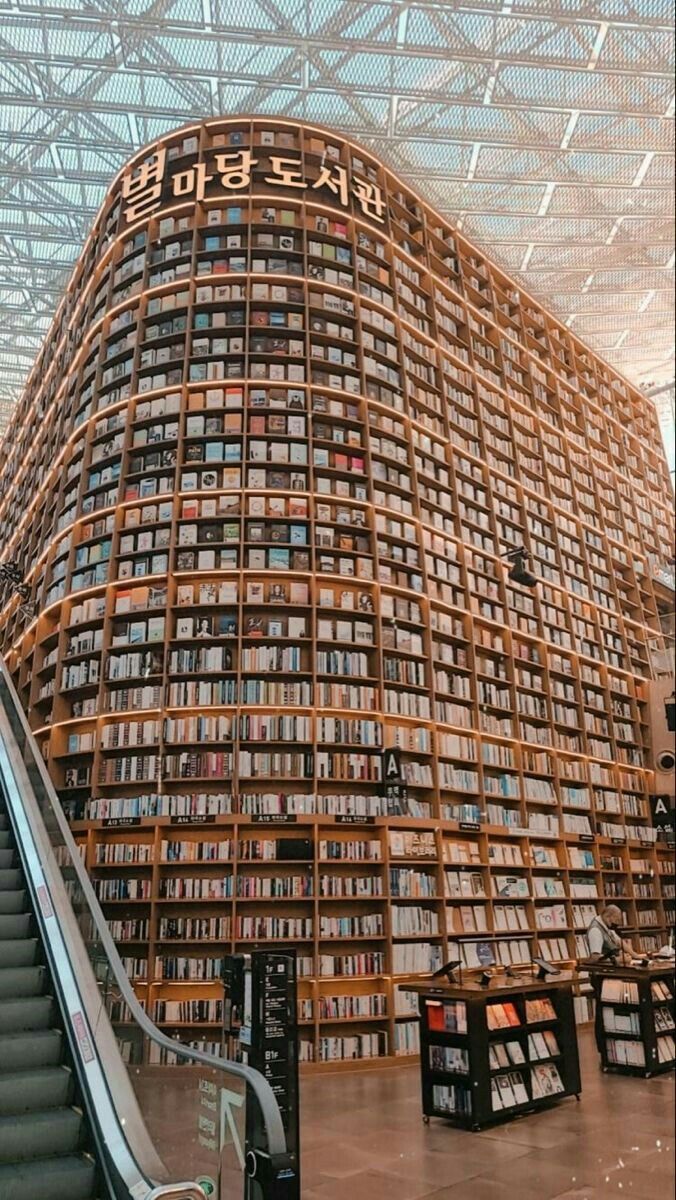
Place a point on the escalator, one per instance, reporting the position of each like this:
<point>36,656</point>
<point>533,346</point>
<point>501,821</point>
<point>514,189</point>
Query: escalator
<point>46,1146</point>
<point>96,1103</point>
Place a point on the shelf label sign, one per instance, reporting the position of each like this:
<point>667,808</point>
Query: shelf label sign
<point>273,818</point>
<point>349,819</point>
<point>204,819</point>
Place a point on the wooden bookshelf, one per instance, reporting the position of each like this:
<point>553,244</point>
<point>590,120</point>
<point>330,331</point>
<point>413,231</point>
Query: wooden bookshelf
<point>261,483</point>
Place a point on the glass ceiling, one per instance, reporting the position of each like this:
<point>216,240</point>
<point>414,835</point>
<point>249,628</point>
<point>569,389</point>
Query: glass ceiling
<point>544,128</point>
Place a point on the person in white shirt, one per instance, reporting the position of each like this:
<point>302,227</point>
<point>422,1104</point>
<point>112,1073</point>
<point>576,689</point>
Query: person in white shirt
<point>603,936</point>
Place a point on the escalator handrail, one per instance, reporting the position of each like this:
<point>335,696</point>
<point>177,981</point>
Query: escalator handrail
<point>260,1087</point>
<point>107,1127</point>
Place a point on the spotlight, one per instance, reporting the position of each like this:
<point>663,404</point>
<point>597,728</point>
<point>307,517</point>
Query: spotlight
<point>518,572</point>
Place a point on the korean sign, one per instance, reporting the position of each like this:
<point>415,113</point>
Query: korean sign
<point>148,185</point>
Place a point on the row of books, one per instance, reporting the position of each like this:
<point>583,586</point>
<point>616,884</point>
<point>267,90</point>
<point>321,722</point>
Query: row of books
<point>507,952</point>
<point>356,1046</point>
<point>351,887</point>
<point>351,1007</point>
<point>188,1012</point>
<point>621,991</point>
<point>621,1022</point>
<point>451,1059</point>
<point>406,1038</point>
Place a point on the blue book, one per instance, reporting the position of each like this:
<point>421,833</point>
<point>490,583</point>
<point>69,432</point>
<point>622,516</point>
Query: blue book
<point>278,558</point>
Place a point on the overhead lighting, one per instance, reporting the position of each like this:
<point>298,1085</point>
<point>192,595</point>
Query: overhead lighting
<point>546,199</point>
<point>643,169</point>
<point>647,299</point>
<point>570,129</point>
<point>527,256</point>
<point>614,231</point>
<point>490,84</point>
<point>598,45</point>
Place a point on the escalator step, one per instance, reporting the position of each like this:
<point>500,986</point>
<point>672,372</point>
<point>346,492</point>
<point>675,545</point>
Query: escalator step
<point>15,925</point>
<point>36,1048</point>
<point>13,902</point>
<point>17,982</point>
<point>11,878</point>
<point>70,1178</point>
<point>40,1134</point>
<point>33,1012</point>
<point>6,851</point>
<point>19,952</point>
<point>39,1088</point>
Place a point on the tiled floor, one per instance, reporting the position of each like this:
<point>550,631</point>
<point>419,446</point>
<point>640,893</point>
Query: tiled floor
<point>363,1139</point>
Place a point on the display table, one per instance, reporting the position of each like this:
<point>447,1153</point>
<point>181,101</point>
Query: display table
<point>489,1054</point>
<point>634,1016</point>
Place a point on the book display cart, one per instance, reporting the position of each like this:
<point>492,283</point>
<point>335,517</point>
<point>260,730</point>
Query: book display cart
<point>635,1030</point>
<point>261,485</point>
<point>489,1054</point>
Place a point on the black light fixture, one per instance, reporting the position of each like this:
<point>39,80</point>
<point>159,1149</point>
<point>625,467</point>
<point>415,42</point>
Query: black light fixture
<point>518,571</point>
<point>670,712</point>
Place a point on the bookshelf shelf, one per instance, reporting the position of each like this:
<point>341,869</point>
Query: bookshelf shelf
<point>285,444</point>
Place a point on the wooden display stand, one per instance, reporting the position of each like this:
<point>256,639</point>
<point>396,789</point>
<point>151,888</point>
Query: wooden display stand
<point>489,1054</point>
<point>635,1031</point>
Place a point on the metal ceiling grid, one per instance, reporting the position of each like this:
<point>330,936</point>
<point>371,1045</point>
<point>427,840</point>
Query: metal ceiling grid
<point>544,130</point>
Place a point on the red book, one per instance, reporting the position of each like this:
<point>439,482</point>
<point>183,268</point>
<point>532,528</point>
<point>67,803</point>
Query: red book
<point>435,1016</point>
<point>512,1015</point>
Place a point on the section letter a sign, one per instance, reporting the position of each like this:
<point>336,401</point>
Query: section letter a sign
<point>392,765</point>
<point>663,814</point>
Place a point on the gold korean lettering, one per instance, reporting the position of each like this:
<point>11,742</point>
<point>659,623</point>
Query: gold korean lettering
<point>142,187</point>
<point>191,181</point>
<point>286,172</point>
<point>235,169</point>
<point>370,198</point>
<point>335,179</point>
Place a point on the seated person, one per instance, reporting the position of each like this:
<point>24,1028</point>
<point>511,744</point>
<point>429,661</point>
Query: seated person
<point>603,936</point>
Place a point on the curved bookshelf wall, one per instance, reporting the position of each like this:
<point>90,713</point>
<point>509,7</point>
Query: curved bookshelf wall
<point>284,428</point>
